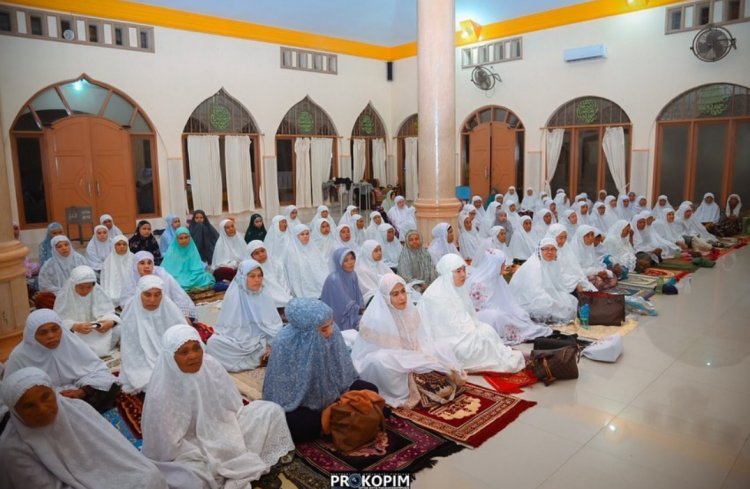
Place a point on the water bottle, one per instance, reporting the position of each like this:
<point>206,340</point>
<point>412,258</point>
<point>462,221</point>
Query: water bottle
<point>583,315</point>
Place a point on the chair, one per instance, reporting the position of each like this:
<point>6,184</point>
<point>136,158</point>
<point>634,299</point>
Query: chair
<point>78,216</point>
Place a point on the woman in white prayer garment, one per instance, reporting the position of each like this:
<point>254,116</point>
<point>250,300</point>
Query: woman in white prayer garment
<point>370,268</point>
<point>523,243</point>
<point>402,217</point>
<point>372,231</point>
<point>448,315</point>
<point>248,322</point>
<point>56,270</point>
<point>392,344</point>
<point>539,288</point>
<point>593,267</point>
<point>194,415</point>
<point>468,236</point>
<point>392,247</point>
<point>275,282</point>
<point>322,236</point>
<point>496,306</point>
<point>542,221</point>
<point>498,241</point>
<point>571,271</point>
<point>708,212</point>
<point>279,238</point>
<point>99,247</point>
<point>443,241</point>
<point>306,269</point>
<point>117,270</point>
<point>229,250</point>
<point>323,213</point>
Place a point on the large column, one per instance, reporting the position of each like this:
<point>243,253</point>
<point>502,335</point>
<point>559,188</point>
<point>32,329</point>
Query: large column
<point>14,301</point>
<point>436,52</point>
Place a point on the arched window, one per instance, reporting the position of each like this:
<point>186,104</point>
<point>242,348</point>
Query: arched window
<point>222,116</point>
<point>703,144</point>
<point>582,166</point>
<point>408,129</point>
<point>492,150</point>
<point>305,121</point>
<point>367,128</point>
<point>101,111</point>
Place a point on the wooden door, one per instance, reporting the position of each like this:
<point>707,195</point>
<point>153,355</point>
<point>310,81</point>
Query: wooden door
<point>479,159</point>
<point>114,181</point>
<point>503,167</point>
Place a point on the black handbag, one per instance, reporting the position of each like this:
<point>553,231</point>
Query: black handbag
<point>559,340</point>
<point>559,364</point>
<point>604,309</point>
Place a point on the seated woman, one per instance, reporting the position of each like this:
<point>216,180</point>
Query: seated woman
<point>144,322</point>
<point>661,207</point>
<point>667,228</point>
<point>730,223</point>
<point>290,213</point>
<point>571,270</point>
<point>183,262</point>
<point>372,231</point>
<point>107,221</point>
<point>498,240</point>
<point>448,315</point>
<point>348,215</point>
<point>539,288</point>
<point>468,236</point>
<point>204,235</point>
<point>322,212</point>
<point>56,271</point>
<point>624,209</point>
<point>593,267</point>
<point>496,306</point>
<point>279,239</point>
<point>345,237</point>
<point>222,442</point>
<point>256,229</point>
<point>392,344</point>
<point>306,270</point>
<point>144,240</point>
<point>75,371</point>
<point>402,217</point>
<point>341,290</point>
<point>323,238</point>
<point>358,230</point>
<point>695,234</point>
<point>275,283</point>
<point>543,219</point>
<point>391,245</point>
<point>228,252</point>
<point>523,244</point>
<point>117,270</point>
<point>648,249</point>
<point>619,249</point>
<point>166,238</point>
<point>45,247</point>
<point>310,345</point>
<point>415,262</point>
<point>708,212</point>
<point>370,268</point>
<point>99,248</point>
<point>57,442</point>
<point>443,241</point>
<point>87,311</point>
<point>248,322</point>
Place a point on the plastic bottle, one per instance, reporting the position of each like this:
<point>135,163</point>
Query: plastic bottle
<point>583,315</point>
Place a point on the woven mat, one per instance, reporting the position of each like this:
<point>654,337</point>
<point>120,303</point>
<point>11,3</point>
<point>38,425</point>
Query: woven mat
<point>472,418</point>
<point>207,296</point>
<point>250,382</point>
<point>634,291</point>
<point>678,264</point>
<point>667,274</point>
<point>597,332</point>
<point>642,281</point>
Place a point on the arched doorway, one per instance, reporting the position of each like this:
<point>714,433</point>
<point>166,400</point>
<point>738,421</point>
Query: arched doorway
<point>223,136</point>
<point>492,149</point>
<point>368,148</point>
<point>582,165</point>
<point>82,143</point>
<point>305,151</point>
<point>703,144</point>
<point>407,164</point>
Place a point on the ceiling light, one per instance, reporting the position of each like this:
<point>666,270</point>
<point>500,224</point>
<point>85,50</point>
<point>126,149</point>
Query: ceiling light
<point>470,30</point>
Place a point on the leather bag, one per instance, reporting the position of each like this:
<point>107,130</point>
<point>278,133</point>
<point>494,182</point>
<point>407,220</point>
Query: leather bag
<point>354,420</point>
<point>436,388</point>
<point>604,309</point>
<point>559,340</point>
<point>552,365</point>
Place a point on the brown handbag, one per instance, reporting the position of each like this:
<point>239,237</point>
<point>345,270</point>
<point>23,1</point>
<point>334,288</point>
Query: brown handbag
<point>354,420</point>
<point>552,365</point>
<point>436,388</point>
<point>604,309</point>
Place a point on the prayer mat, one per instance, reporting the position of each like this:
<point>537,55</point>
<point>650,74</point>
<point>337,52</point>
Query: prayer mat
<point>112,360</point>
<point>115,418</point>
<point>130,408</point>
<point>642,281</point>
<point>678,264</point>
<point>204,330</point>
<point>206,296</point>
<point>598,332</point>
<point>250,383</point>
<point>471,418</point>
<point>630,290</point>
<point>510,383</point>
<point>402,447</point>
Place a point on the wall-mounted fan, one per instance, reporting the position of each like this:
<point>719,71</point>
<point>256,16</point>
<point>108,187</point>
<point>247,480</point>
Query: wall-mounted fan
<point>484,78</point>
<point>712,44</point>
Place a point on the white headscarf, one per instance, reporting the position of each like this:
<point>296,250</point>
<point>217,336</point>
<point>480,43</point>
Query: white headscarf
<point>468,240</point>
<point>346,217</point>
<point>98,251</point>
<point>641,207</point>
<point>569,226</point>
<point>78,449</point>
<point>618,248</point>
<point>288,215</point>
<point>319,215</point>
<point>561,200</point>
<point>115,231</point>
<point>275,282</point>
<point>369,271</point>
<point>278,242</point>
<point>403,220</point>
<point>372,229</point>
<point>56,270</point>
<point>96,306</point>
<point>530,202</point>
<point>523,243</point>
<point>493,243</point>
<point>671,231</point>
<point>142,330</point>
<point>358,235</point>
<point>643,240</point>
<point>439,246</point>
<point>659,210</point>
<point>625,213</point>
<point>570,270</point>
<point>539,228</point>
<point>708,212</point>
<point>325,243</point>
<point>586,254</point>
<point>489,218</point>
<point>736,211</point>
<point>480,210</point>
<point>391,249</point>
<point>116,271</point>
<point>690,226</point>
<point>71,364</point>
<point>229,250</point>
<point>306,268</point>
<point>340,243</point>
<point>510,195</point>
<point>599,221</point>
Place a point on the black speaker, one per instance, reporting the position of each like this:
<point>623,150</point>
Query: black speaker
<point>389,70</point>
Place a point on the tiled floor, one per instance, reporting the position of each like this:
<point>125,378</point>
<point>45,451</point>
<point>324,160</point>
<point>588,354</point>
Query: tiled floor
<point>673,412</point>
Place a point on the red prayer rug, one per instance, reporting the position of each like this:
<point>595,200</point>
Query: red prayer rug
<point>472,418</point>
<point>130,408</point>
<point>510,383</point>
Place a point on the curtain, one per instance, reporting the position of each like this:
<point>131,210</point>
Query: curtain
<point>177,194</point>
<point>270,185</point>
<point>392,173</point>
<point>554,145</point>
<point>378,161</point>
<point>302,169</point>
<point>359,157</point>
<point>345,166</point>
<point>321,154</point>
<point>614,149</point>
<point>240,194</point>
<point>205,173</point>
<point>410,164</point>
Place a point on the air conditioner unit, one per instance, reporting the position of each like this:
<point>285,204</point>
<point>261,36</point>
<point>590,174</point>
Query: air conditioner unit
<point>595,51</point>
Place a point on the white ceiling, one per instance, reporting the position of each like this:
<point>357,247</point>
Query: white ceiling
<point>381,22</point>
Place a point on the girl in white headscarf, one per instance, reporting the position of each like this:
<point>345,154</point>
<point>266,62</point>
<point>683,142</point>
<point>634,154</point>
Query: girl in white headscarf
<point>402,217</point>
<point>306,268</point>
<point>583,209</point>
<point>641,204</point>
<point>349,212</point>
<point>523,243</point>
<point>372,229</point>
<point>690,226</point>
<point>99,247</point>
<point>323,237</point>
<point>279,238</point>
<point>497,241</point>
<point>598,218</point>
<point>75,371</point>
<point>510,196</point>
<point>643,240</point>
<point>489,220</point>
<point>542,221</point>
<point>624,211</point>
<point>476,202</point>
<point>57,442</point>
<point>323,213</point>
<point>391,245</point>
<point>144,322</point>
<point>511,209</point>
<point>87,311</point>
<point>708,211</point>
<point>540,289</point>
<point>561,200</point>
<point>570,270</point>
<point>530,201</point>
<point>468,236</point>
<point>661,206</point>
<point>275,283</point>
<point>222,442</point>
<point>358,230</point>
<point>107,221</point>
<point>442,243</point>
<point>229,251</point>
<point>56,270</point>
<point>345,237</point>
<point>593,267</point>
<point>248,322</point>
<point>667,228</point>
<point>618,247</point>
<point>117,270</point>
<point>570,221</point>
<point>392,344</point>
<point>290,213</point>
<point>496,306</point>
<point>448,315</point>
<point>370,268</point>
